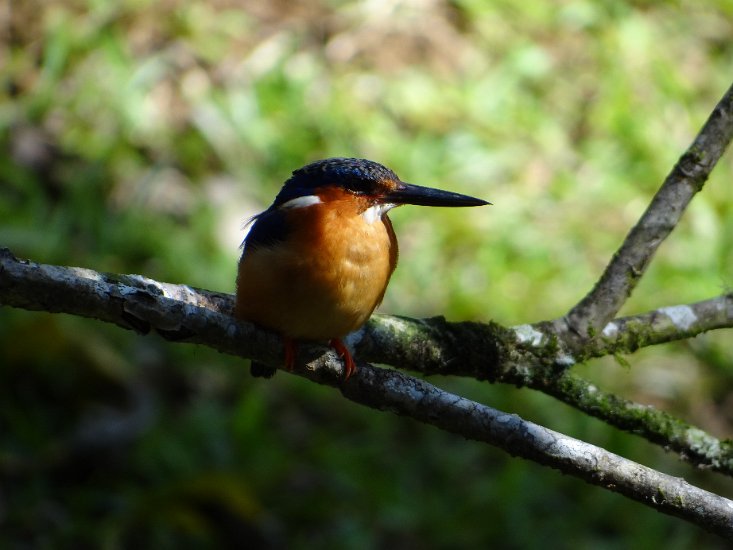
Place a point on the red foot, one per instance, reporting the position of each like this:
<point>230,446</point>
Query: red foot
<point>343,351</point>
<point>291,349</point>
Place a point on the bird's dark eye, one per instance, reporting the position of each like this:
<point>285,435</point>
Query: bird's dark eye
<point>361,186</point>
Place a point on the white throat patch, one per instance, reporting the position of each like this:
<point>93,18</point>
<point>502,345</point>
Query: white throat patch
<point>301,202</point>
<point>375,213</point>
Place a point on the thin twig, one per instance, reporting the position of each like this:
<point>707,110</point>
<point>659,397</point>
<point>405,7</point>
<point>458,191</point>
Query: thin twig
<point>666,324</point>
<point>629,263</point>
<point>693,444</point>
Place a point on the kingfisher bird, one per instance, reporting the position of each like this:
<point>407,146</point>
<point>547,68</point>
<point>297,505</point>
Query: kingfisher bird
<point>317,262</point>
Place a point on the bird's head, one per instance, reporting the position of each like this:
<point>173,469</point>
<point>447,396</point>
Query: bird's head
<point>370,183</point>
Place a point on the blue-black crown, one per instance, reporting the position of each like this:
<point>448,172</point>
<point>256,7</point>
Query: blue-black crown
<point>360,176</point>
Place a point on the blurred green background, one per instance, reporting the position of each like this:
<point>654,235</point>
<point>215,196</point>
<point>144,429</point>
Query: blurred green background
<point>138,136</point>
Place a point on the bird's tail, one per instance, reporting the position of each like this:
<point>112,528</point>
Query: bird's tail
<point>260,370</point>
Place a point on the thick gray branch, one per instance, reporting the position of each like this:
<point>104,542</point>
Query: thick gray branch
<point>183,313</point>
<point>631,260</point>
<point>524,356</point>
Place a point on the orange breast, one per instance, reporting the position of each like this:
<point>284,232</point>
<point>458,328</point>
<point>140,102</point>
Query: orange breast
<point>326,278</point>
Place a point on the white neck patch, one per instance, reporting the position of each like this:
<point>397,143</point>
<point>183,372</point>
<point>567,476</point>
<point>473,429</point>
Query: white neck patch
<point>301,202</point>
<point>375,213</point>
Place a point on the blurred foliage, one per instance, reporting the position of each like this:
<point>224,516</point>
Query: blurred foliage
<point>137,136</point>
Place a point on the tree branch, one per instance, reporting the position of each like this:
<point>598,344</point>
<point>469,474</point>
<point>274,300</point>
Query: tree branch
<point>529,355</point>
<point>693,444</point>
<point>629,263</point>
<point>535,356</point>
<point>666,324</point>
<point>394,391</point>
<point>180,312</point>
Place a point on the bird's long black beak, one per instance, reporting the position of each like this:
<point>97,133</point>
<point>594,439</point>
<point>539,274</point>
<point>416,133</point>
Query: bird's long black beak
<point>407,193</point>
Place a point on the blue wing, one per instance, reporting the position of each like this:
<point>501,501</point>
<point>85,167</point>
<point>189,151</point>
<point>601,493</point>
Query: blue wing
<point>268,228</point>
